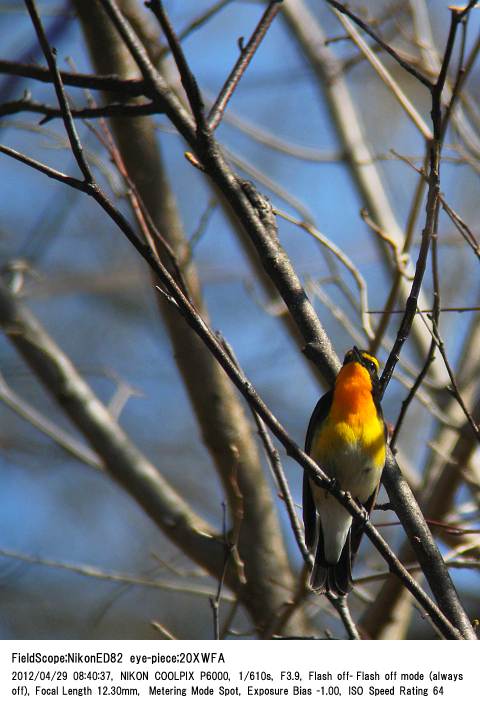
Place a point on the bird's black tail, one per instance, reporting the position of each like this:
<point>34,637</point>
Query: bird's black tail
<point>335,579</point>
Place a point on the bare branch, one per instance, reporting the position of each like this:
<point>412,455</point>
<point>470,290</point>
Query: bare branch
<point>62,100</point>
<point>277,470</point>
<point>387,78</point>
<point>344,260</point>
<point>224,427</point>
<point>113,576</point>
<point>246,56</point>
<point>366,176</point>
<point>128,87</point>
<point>111,110</point>
<point>119,455</point>
<point>49,428</point>
<point>367,28</point>
<point>188,80</point>
<point>341,604</point>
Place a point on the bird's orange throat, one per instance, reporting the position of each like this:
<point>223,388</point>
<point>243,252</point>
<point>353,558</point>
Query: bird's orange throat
<point>352,396</point>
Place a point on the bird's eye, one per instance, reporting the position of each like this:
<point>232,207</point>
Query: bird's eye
<point>370,365</point>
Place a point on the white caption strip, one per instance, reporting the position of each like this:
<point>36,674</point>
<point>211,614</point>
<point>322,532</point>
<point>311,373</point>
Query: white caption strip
<point>271,673</point>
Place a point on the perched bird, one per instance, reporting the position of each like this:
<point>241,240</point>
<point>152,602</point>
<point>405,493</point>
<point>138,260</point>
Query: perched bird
<point>347,438</point>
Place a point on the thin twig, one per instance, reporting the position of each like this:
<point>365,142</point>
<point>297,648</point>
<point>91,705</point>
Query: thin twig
<point>283,193</point>
<point>344,260</point>
<point>341,605</point>
<point>226,629</point>
<point>459,78</point>
<point>128,87</point>
<point>457,221</point>
<point>246,56</point>
<point>147,225</point>
<point>73,138</point>
<point>215,600</point>
<point>279,474</point>
<point>163,630</point>
<point>431,353</point>
<point>111,576</point>
<point>411,394</point>
<point>367,28</point>
<point>454,564</point>
<point>188,80</point>
<point>462,227</point>
<point>110,110</point>
<point>454,386</point>
<point>61,437</point>
<point>401,258</point>
<point>276,467</point>
<point>275,142</point>
<point>444,309</point>
<point>386,77</point>
<point>45,169</point>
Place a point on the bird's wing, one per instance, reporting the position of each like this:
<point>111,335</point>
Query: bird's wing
<point>309,512</point>
<point>378,406</point>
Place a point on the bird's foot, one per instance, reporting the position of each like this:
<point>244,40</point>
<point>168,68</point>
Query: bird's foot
<point>333,485</point>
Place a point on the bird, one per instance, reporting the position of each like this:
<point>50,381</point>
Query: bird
<point>347,437</point>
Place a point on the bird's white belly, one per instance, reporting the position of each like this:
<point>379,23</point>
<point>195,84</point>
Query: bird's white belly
<point>356,474</point>
<point>354,470</point>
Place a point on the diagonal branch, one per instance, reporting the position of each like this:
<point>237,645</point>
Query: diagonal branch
<point>125,463</point>
<point>246,56</point>
<point>252,210</point>
<point>61,437</point>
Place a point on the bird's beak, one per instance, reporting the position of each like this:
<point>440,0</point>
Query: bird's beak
<point>357,355</point>
<point>353,355</point>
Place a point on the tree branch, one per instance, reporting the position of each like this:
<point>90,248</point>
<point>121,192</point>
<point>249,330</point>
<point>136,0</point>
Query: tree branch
<point>386,47</point>
<point>128,87</point>
<point>246,55</point>
<point>121,458</point>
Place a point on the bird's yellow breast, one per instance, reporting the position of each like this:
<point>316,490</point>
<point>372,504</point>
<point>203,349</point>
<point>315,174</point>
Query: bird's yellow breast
<point>351,438</point>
